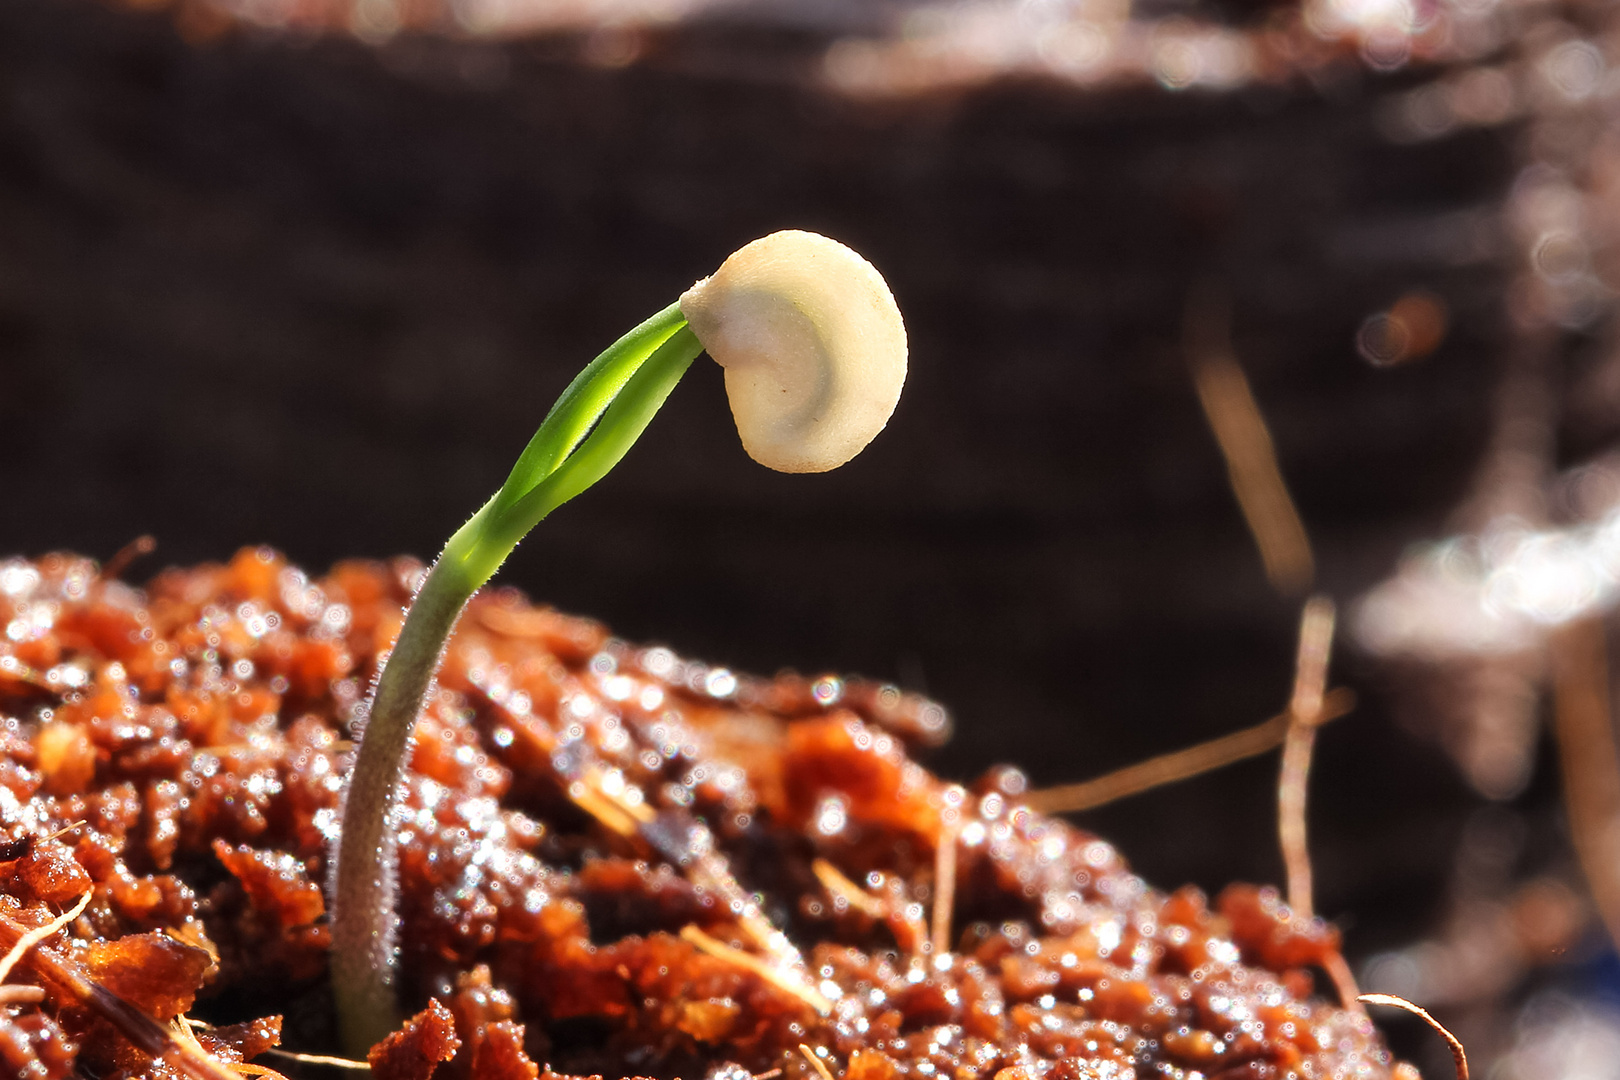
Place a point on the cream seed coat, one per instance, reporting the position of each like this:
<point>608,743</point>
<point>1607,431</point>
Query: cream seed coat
<point>813,347</point>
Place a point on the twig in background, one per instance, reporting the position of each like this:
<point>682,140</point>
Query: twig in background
<point>944,890</point>
<point>1584,725</point>
<point>1304,713</point>
<point>1458,1054</point>
<point>1251,459</point>
<point>1285,549</point>
<point>1181,764</point>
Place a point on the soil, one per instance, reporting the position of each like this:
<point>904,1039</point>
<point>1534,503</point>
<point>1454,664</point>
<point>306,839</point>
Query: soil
<point>599,843</point>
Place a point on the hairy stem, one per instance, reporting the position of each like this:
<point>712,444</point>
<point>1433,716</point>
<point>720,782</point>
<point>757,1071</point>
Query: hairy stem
<point>363,923</point>
<point>618,394</point>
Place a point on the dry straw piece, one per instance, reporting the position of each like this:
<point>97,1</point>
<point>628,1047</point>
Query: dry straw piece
<point>1245,442</point>
<point>1458,1055</point>
<point>1181,764</point>
<point>815,1062</point>
<point>38,934</point>
<point>1304,717</point>
<point>786,981</point>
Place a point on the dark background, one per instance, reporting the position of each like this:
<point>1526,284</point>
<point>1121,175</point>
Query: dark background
<point>317,295</point>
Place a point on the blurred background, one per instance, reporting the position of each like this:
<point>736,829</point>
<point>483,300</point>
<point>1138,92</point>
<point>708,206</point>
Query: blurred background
<point>307,273</point>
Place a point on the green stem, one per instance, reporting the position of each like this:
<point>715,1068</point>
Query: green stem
<point>363,922</point>
<point>618,393</point>
<point>622,424</point>
<point>583,402</point>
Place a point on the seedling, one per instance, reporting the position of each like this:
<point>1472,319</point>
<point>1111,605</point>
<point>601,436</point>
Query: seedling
<point>815,356</point>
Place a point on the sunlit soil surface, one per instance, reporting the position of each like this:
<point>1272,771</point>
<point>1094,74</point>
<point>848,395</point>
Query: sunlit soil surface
<point>613,860</point>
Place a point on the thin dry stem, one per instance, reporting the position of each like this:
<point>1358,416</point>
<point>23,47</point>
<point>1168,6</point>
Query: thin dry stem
<point>815,1062</point>
<point>778,978</point>
<point>1304,717</point>
<point>1311,662</point>
<point>64,830</point>
<point>1181,764</point>
<point>184,1031</point>
<point>588,795</point>
<point>1458,1054</point>
<point>1251,459</point>
<point>1292,782</point>
<point>190,1026</point>
<point>841,888</point>
<point>697,861</point>
<point>710,871</point>
<point>1583,722</point>
<point>40,933</point>
<point>939,937</point>
<point>1344,981</point>
<point>320,1059</point>
<point>21,995</point>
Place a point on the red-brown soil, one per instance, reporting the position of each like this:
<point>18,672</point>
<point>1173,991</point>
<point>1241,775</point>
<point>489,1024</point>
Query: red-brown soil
<point>564,786</point>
